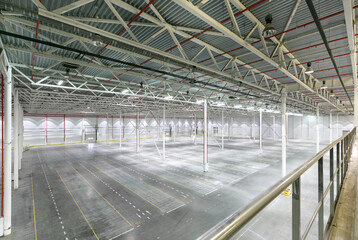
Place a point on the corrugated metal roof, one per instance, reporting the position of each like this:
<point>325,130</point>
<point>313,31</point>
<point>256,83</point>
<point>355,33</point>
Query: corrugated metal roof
<point>175,15</point>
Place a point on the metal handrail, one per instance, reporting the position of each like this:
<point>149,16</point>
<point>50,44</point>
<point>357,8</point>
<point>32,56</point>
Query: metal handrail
<point>232,224</point>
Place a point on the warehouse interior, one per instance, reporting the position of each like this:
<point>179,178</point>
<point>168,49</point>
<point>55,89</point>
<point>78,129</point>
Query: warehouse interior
<point>177,119</point>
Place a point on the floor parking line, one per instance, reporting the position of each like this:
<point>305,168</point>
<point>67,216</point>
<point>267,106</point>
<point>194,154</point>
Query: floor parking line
<point>141,181</point>
<point>74,200</point>
<point>33,205</point>
<point>128,188</point>
<point>103,197</point>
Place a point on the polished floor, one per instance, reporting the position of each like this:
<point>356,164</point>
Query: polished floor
<point>102,191</point>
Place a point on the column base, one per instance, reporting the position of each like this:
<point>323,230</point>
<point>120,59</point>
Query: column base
<point>7,232</point>
<point>206,167</point>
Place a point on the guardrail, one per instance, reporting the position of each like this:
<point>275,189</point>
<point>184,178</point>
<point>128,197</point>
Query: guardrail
<point>231,225</point>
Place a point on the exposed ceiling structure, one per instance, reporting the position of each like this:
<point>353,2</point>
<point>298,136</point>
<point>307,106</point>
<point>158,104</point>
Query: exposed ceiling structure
<point>106,56</point>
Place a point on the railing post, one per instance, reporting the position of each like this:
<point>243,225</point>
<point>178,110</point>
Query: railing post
<point>320,200</point>
<point>331,191</point>
<point>296,209</point>
<point>339,171</point>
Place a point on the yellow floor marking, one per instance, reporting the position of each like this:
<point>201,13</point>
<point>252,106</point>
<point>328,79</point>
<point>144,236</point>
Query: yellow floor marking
<point>130,189</point>
<point>77,205</point>
<point>102,197</point>
<point>33,205</point>
<point>135,178</point>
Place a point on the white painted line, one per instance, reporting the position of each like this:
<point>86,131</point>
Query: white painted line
<point>210,192</point>
<point>122,234</point>
<point>175,208</point>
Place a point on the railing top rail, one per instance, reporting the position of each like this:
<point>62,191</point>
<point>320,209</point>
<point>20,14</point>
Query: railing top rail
<point>232,223</point>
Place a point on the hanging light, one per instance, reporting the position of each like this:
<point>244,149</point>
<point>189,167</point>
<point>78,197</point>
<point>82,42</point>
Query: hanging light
<point>59,83</point>
<point>269,29</point>
<point>332,94</point>
<point>97,40</point>
<point>309,69</point>
<point>324,85</point>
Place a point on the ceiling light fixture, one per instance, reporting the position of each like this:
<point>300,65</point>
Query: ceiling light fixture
<point>324,85</point>
<point>168,97</point>
<point>59,83</point>
<point>97,40</point>
<point>309,69</point>
<point>269,29</point>
<point>332,94</point>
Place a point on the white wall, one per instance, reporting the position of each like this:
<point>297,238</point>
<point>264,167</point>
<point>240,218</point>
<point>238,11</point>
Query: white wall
<point>75,127</point>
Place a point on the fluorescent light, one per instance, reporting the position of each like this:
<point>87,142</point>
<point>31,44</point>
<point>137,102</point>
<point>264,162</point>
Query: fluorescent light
<point>238,106</point>
<point>199,101</point>
<point>295,114</point>
<point>59,83</point>
<point>168,97</point>
<point>220,104</point>
<point>125,91</point>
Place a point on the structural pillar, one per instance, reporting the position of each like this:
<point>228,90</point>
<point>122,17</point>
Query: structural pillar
<point>195,128</point>
<point>163,132</point>
<point>107,129</point>
<point>274,124</point>
<point>137,134</point>
<point>330,127</point>
<point>253,128</point>
<point>317,129</point>
<point>205,137</point>
<point>7,154</point>
<point>120,130</point>
<point>175,127</point>
<point>21,137</point>
<point>222,129</point>
<point>284,122</point>
<point>16,139</point>
<point>337,126</point>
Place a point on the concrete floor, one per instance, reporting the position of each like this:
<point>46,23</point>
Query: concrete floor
<point>99,191</point>
<point>345,222</point>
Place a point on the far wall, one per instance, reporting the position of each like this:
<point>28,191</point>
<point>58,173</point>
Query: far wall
<point>42,129</point>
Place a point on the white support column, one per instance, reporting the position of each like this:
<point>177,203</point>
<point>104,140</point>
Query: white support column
<point>274,124</point>
<point>283,126</point>
<point>205,137</point>
<point>330,127</point>
<point>107,129</point>
<point>260,129</point>
<point>16,139</point>
<point>175,127</point>
<point>195,128</point>
<point>137,133</point>
<point>317,129</point>
<point>253,128</point>
<point>7,154</point>
<point>120,130</point>
<point>21,137</point>
<point>337,126</point>
<point>163,133</point>
<point>222,129</point>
